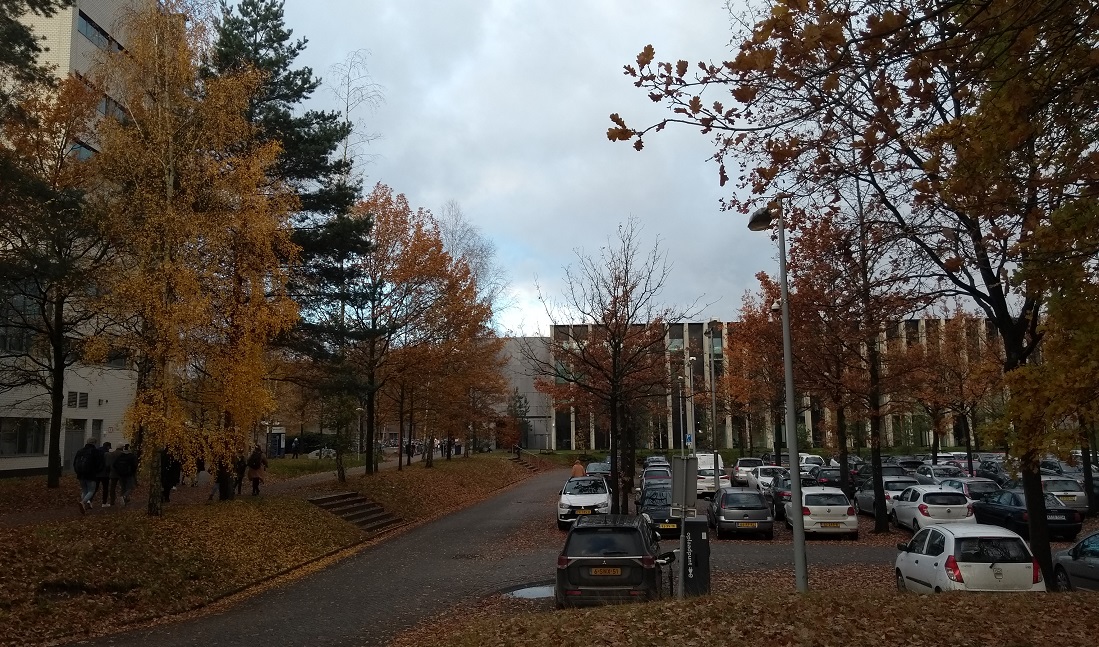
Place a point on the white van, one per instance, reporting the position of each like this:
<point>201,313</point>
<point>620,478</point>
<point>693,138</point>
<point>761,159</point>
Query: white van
<point>706,462</point>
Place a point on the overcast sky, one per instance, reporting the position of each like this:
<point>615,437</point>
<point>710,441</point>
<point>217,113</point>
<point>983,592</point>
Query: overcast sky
<point>502,106</point>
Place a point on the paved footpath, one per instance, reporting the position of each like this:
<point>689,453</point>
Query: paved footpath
<point>366,599</point>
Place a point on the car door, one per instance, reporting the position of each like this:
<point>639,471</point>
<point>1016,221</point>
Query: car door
<point>865,497</point>
<point>1084,569</point>
<point>998,508</point>
<point>931,560</point>
<point>908,562</point>
<point>902,507</point>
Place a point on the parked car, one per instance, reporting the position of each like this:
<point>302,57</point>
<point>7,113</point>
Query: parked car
<point>866,472</point>
<point>994,470</point>
<point>973,487</point>
<point>826,476</point>
<point>704,483</point>
<point>779,493</point>
<point>610,558</point>
<point>825,510</point>
<point>760,477</point>
<point>582,496</point>
<point>1008,509</point>
<point>740,510</point>
<point>1061,468</point>
<point>656,502</point>
<point>934,474</point>
<point>599,469</point>
<point>894,485</point>
<point>910,465</point>
<point>924,505</point>
<point>783,459</point>
<point>1078,567</point>
<point>1068,491</point>
<point>807,462</point>
<point>656,461</point>
<point>741,468</point>
<point>966,557</point>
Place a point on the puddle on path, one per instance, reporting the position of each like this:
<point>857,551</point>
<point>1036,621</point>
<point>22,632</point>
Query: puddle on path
<point>532,592</point>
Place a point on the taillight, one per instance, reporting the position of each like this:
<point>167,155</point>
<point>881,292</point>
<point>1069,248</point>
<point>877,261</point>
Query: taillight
<point>785,496</point>
<point>805,511</point>
<point>1026,517</point>
<point>923,509</point>
<point>952,570</point>
<point>888,498</point>
<point>850,511</point>
<point>969,509</point>
<point>1036,576</point>
<point>562,561</point>
<point>648,561</point>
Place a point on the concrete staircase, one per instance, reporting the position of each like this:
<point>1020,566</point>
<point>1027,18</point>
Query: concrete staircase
<point>525,463</point>
<point>364,513</point>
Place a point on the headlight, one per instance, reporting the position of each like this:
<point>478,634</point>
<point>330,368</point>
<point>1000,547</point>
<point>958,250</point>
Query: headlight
<point>561,505</point>
<point>603,506</point>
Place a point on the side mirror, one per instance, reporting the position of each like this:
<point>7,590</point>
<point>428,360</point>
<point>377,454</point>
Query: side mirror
<point>646,517</point>
<point>666,558</point>
<point>903,547</point>
<point>656,536</point>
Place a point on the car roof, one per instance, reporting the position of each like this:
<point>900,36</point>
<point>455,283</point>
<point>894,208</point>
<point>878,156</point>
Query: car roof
<point>972,479</point>
<point>821,489</point>
<point>931,488</point>
<point>975,530</point>
<point>609,521</point>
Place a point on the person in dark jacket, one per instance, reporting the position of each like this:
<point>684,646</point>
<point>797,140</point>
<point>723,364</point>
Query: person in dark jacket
<point>257,469</point>
<point>170,471</point>
<point>124,472</point>
<point>87,464</point>
<point>240,466</point>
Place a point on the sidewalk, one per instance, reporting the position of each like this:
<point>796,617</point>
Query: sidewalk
<point>182,495</point>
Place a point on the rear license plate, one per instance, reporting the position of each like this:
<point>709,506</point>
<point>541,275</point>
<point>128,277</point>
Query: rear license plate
<point>747,524</point>
<point>583,512</point>
<point>829,524</point>
<point>1067,498</point>
<point>668,525</point>
<point>606,571</point>
<point>1055,517</point>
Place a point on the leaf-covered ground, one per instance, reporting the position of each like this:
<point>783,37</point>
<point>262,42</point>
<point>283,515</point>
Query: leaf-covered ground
<point>853,606</point>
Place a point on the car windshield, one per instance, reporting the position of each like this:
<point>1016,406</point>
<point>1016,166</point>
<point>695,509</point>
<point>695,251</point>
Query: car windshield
<point>743,500</point>
<point>892,470</point>
<point>770,471</point>
<point>829,474</point>
<point>603,542</point>
<point>897,486</point>
<point>705,472</point>
<point>981,488</point>
<point>945,498</point>
<point>1051,501</point>
<point>599,467</point>
<point>946,470</point>
<point>813,460</point>
<point>991,550</point>
<point>657,497</point>
<point>586,486</point>
<point>825,498</point>
<point>1061,485</point>
<point>749,462</point>
<point>657,474</point>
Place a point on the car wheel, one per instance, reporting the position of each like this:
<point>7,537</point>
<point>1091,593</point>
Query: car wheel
<point>858,510</point>
<point>915,526</point>
<point>562,526</point>
<point>1061,581</point>
<point>900,581</point>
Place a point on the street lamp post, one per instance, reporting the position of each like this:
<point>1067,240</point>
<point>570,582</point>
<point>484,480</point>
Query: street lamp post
<point>713,408</point>
<point>761,220</point>
<point>683,416</point>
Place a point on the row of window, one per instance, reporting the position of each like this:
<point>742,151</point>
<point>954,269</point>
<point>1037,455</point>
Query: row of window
<point>22,436</point>
<point>96,34</point>
<point>78,400</point>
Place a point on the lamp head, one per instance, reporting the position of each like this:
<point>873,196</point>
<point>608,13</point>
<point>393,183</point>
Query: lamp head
<point>760,219</point>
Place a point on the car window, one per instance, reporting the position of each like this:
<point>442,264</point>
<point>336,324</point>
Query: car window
<point>749,462</point>
<point>918,541</point>
<point>947,470</point>
<point>896,486</point>
<point>952,484</point>
<point>603,542</point>
<point>906,495</point>
<point>743,500</point>
<point>1089,547</point>
<point>936,543</point>
<point>1061,485</point>
<point>586,486</point>
<point>923,471</point>
<point>657,497</point>
<point>945,498</point>
<point>828,473</point>
<point>980,488</point>
<point>825,499</point>
<point>991,550</point>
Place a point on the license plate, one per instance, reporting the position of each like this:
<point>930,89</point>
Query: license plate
<point>829,524</point>
<point>668,525</point>
<point>1056,517</point>
<point>583,512</point>
<point>1067,498</point>
<point>606,571</point>
<point>747,524</point>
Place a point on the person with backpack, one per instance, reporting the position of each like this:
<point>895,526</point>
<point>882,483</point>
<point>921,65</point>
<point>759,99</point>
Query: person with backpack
<point>103,477</point>
<point>86,465</point>
<point>124,472</point>
<point>257,469</point>
<point>240,466</point>
<point>170,471</point>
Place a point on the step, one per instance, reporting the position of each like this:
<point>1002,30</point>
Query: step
<point>359,517</point>
<point>380,524</point>
<point>355,505</point>
<point>333,499</point>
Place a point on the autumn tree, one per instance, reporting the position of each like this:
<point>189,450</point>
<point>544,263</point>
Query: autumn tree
<point>607,341</point>
<point>52,250</point>
<point>965,127</point>
<point>201,232</point>
<point>754,380</point>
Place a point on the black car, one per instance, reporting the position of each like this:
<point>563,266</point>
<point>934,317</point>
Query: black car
<point>828,477</point>
<point>656,502</point>
<point>609,559</point>
<point>867,471</point>
<point>1008,509</point>
<point>993,470</point>
<point>779,493</point>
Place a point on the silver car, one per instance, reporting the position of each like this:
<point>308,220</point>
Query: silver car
<point>740,510</point>
<point>1068,491</point>
<point>934,474</point>
<point>1078,567</point>
<point>894,485</point>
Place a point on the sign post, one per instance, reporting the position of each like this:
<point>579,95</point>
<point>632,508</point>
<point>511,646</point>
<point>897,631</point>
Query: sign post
<point>684,498</point>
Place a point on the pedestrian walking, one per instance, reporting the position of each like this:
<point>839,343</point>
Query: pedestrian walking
<point>124,469</point>
<point>103,476</point>
<point>294,447</point>
<point>578,469</point>
<point>86,465</point>
<point>240,466</point>
<point>257,469</point>
<point>170,471</point>
<point>109,458</point>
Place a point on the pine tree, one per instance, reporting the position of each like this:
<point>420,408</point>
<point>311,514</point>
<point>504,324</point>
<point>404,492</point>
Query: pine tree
<point>19,56</point>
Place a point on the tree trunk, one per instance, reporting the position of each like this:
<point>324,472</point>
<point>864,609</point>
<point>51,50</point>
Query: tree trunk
<point>57,394</point>
<point>430,462</point>
<point>968,443</point>
<point>371,404</point>
<point>1087,456</point>
<point>400,429</point>
<point>881,522</point>
<point>156,492</point>
<point>778,437</point>
<point>934,442</point>
<point>841,439</point>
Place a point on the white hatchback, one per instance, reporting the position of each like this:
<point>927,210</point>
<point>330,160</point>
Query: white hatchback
<point>924,505</point>
<point>825,510</point>
<point>966,557</point>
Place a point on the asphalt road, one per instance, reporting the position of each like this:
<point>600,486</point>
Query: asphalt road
<point>368,598</point>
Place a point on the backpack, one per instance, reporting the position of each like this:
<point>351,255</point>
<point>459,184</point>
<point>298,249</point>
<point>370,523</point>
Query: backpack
<point>86,463</point>
<point>125,465</point>
<point>254,461</point>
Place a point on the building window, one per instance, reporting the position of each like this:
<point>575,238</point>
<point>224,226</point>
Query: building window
<point>22,436</point>
<point>14,340</point>
<point>78,400</point>
<point>96,34</point>
<point>82,151</point>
